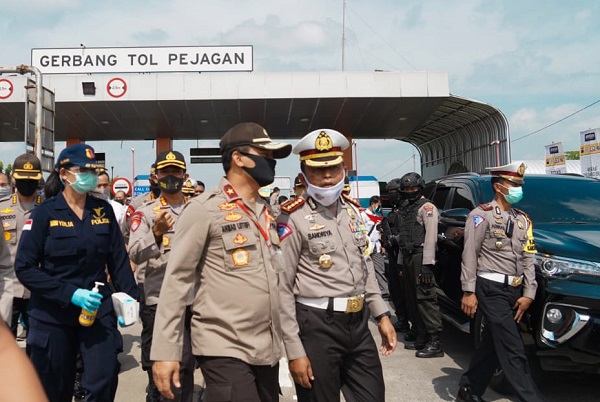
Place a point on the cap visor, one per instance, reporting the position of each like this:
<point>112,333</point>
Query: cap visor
<point>324,162</point>
<point>280,150</point>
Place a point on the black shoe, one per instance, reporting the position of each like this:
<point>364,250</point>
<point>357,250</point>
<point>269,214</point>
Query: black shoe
<point>201,395</point>
<point>433,348</point>
<point>79,393</point>
<point>464,395</point>
<point>402,326</point>
<point>410,337</point>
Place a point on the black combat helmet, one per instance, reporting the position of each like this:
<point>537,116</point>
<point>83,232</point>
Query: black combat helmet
<point>393,189</point>
<point>411,179</point>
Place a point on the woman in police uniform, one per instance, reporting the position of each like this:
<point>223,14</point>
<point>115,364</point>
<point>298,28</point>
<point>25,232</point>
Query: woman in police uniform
<point>67,245</point>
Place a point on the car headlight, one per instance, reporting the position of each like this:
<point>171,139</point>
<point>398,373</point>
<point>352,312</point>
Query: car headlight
<point>559,266</point>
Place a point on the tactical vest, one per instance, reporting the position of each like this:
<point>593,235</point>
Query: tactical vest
<point>411,234</point>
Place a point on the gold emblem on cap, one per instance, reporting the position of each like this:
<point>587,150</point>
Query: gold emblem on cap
<point>521,170</point>
<point>170,156</point>
<point>325,261</point>
<point>323,142</point>
<point>28,166</point>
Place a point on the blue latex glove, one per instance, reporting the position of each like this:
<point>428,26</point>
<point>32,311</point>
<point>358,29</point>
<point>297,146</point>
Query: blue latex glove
<point>86,299</point>
<point>121,322</point>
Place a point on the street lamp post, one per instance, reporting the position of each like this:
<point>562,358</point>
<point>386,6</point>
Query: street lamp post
<point>112,173</point>
<point>497,144</point>
<point>132,166</point>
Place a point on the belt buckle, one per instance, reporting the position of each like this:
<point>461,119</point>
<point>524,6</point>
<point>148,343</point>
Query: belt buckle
<point>517,280</point>
<point>354,304</point>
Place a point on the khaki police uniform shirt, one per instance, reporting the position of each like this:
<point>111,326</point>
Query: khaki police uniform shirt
<point>13,215</point>
<point>137,202</point>
<point>236,309</point>
<point>428,216</point>
<point>7,272</point>
<point>143,248</point>
<point>489,249</point>
<point>306,234</point>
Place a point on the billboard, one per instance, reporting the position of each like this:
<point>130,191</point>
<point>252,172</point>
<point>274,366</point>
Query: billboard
<point>556,162</point>
<point>589,152</point>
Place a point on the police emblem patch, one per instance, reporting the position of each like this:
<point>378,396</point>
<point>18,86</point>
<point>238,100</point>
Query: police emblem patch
<point>284,230</point>
<point>478,220</point>
<point>136,220</point>
<point>240,239</point>
<point>240,257</point>
<point>28,224</point>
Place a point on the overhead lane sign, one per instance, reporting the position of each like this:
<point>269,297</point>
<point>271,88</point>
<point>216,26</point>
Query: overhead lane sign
<point>88,60</point>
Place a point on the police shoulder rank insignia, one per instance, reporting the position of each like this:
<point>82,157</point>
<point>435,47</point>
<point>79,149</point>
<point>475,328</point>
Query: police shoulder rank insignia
<point>290,206</point>
<point>228,188</point>
<point>351,200</point>
<point>227,206</point>
<point>284,230</point>
<point>486,207</point>
<point>240,257</point>
<point>478,220</point>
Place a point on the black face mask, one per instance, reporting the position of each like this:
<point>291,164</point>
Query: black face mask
<point>170,184</point>
<point>26,187</point>
<point>394,198</point>
<point>263,171</point>
<point>154,189</point>
<point>411,197</point>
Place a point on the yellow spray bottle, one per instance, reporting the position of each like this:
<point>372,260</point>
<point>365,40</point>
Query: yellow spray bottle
<point>87,318</point>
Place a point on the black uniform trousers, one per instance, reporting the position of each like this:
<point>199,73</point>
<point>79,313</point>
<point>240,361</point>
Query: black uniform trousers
<point>54,349</point>
<point>421,299</point>
<point>395,285</point>
<point>231,379</point>
<point>343,356</point>
<point>188,361</point>
<point>501,343</point>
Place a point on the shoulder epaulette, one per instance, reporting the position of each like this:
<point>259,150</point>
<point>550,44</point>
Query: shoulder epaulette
<point>291,205</point>
<point>351,200</point>
<point>486,207</point>
<point>522,213</point>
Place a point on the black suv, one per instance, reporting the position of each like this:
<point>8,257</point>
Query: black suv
<point>563,323</point>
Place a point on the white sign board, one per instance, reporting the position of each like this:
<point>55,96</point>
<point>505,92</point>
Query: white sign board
<point>87,60</point>
<point>120,184</point>
<point>556,162</point>
<point>589,152</point>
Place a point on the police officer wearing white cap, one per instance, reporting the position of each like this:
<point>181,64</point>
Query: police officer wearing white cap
<point>328,288</point>
<point>498,278</point>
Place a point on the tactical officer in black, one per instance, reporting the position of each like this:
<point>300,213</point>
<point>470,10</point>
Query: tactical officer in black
<point>389,228</point>
<point>417,220</point>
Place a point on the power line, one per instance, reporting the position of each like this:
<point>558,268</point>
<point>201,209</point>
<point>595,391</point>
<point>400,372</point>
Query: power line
<point>397,167</point>
<point>556,122</point>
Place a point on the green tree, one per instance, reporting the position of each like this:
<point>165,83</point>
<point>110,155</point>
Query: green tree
<point>1,167</point>
<point>572,155</point>
<point>8,170</point>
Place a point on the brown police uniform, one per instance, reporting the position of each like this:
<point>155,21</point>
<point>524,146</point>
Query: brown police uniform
<point>6,283</point>
<point>13,214</point>
<point>497,265</point>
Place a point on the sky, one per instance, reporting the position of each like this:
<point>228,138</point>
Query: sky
<point>536,61</point>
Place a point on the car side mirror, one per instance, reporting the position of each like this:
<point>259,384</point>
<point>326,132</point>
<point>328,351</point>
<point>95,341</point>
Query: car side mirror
<point>455,216</point>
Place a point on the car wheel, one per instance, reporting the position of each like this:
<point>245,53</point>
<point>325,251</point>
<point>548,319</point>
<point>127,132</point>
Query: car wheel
<point>499,382</point>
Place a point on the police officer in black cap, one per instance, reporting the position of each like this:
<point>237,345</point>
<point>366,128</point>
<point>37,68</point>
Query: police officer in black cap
<point>390,228</point>
<point>416,239</point>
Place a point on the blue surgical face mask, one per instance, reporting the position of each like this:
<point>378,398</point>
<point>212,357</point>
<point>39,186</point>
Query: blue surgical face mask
<point>377,210</point>
<point>84,182</point>
<point>515,194</point>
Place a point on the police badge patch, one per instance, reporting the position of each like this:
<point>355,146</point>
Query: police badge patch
<point>478,220</point>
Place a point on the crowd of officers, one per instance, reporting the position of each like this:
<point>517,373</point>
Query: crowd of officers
<point>227,281</point>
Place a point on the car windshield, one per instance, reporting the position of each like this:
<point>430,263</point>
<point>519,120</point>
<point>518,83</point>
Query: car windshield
<point>548,198</point>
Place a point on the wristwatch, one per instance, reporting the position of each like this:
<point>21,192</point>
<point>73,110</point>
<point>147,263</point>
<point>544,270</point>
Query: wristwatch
<point>380,316</point>
<point>467,293</point>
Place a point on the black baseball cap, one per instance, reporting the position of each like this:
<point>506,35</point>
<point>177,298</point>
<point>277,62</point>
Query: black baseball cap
<point>170,158</point>
<point>79,155</point>
<point>27,166</point>
<point>255,135</point>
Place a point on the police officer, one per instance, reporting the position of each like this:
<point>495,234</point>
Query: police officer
<point>14,211</point>
<point>498,278</point>
<point>66,245</point>
<point>328,288</point>
<point>152,231</point>
<point>417,238</point>
<point>299,186</point>
<point>389,227</point>
<point>189,188</point>
<point>226,242</point>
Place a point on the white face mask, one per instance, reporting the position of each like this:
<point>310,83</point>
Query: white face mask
<point>4,191</point>
<point>102,193</point>
<point>324,195</point>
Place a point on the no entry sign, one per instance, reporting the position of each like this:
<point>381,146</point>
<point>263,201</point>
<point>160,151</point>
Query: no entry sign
<point>120,184</point>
